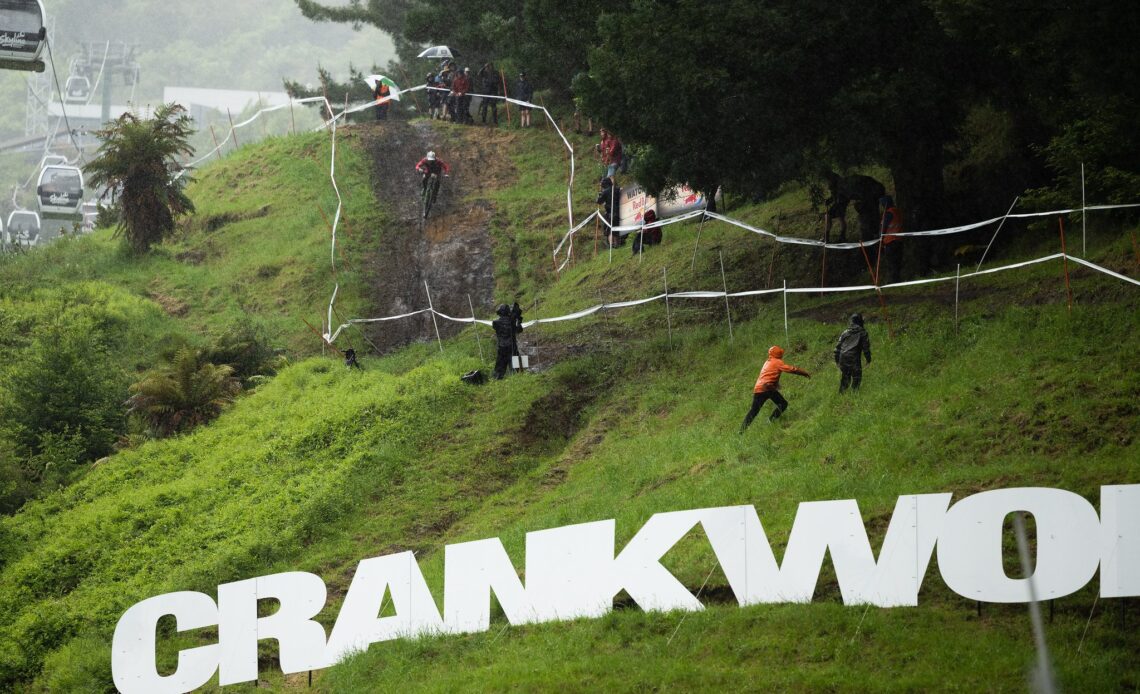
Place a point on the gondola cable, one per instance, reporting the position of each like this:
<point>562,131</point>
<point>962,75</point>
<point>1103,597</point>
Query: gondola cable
<point>62,107</point>
<point>99,78</point>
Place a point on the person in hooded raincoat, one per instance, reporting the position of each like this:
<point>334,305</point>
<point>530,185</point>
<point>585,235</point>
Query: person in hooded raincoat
<point>382,91</point>
<point>768,386</point>
<point>853,343</point>
<point>507,327</point>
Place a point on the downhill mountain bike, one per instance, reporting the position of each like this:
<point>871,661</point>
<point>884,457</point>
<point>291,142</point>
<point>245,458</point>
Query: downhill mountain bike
<point>430,192</point>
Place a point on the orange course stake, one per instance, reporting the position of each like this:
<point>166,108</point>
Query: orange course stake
<point>506,104</point>
<point>1065,258</point>
<point>870,269</point>
<point>875,281</point>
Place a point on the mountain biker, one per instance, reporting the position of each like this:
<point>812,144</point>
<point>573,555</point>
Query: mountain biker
<point>429,165</point>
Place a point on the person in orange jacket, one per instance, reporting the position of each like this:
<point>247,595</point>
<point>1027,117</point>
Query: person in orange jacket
<point>768,386</point>
<point>889,252</point>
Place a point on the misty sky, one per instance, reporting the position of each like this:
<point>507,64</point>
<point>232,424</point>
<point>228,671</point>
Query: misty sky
<point>242,44</point>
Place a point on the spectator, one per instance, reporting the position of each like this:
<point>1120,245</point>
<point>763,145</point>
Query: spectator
<point>889,247</point>
<point>648,235</point>
<point>768,386</point>
<point>524,92</point>
<point>460,86</point>
<point>853,343</point>
<point>446,77</point>
<point>382,91</point>
<point>350,359</point>
<point>490,86</point>
<point>434,96</point>
<point>507,327</point>
<point>609,197</point>
<point>865,192</point>
<point>611,151</point>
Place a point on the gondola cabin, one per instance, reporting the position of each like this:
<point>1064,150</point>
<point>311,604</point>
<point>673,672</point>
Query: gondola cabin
<point>22,35</point>
<point>23,229</point>
<point>77,90</point>
<point>60,190</point>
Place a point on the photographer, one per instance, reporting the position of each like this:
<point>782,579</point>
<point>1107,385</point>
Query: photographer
<point>507,327</point>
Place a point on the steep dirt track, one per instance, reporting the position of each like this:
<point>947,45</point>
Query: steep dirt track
<point>450,251</point>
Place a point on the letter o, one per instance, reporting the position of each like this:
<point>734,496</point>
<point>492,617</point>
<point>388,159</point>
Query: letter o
<point>970,552</point>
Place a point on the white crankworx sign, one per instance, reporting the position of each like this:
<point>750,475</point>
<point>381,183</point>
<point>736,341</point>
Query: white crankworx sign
<point>573,572</point>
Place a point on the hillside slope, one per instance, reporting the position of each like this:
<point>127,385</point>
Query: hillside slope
<point>632,412</point>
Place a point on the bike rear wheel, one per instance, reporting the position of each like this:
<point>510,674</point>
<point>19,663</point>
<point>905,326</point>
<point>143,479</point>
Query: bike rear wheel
<point>429,194</point>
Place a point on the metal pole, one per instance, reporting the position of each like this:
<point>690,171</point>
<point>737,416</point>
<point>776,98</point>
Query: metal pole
<point>292,118</point>
<point>431,308</point>
<point>957,279</point>
<point>1043,675</point>
<point>233,132</point>
<point>693,265</point>
<point>668,316</point>
<point>1065,261</point>
<point>724,282</point>
<point>217,147</point>
<point>533,333</point>
<point>478,339</point>
<point>613,215</point>
<point>610,239</point>
<point>992,239</point>
<point>641,247</point>
<point>1084,211</point>
<point>786,310</point>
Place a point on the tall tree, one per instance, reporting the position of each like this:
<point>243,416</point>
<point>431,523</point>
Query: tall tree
<point>753,94</point>
<point>139,157</point>
<point>1066,74</point>
<point>547,38</point>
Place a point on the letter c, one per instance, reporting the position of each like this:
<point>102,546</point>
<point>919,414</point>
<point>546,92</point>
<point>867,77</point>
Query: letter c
<point>132,650</point>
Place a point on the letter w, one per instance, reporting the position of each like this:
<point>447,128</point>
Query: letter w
<point>744,554</point>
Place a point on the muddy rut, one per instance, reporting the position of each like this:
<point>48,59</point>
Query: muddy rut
<point>452,250</point>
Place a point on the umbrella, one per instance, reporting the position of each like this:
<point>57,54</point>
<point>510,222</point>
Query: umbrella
<point>436,52</point>
<point>373,80</point>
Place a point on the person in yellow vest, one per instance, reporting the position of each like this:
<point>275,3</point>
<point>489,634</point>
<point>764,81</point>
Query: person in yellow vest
<point>890,250</point>
<point>382,91</point>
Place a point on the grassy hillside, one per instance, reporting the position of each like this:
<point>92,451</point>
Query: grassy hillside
<point>257,250</point>
<point>322,467</point>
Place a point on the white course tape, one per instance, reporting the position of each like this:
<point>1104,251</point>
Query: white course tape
<point>574,229</point>
<point>1105,270</point>
<point>755,292</point>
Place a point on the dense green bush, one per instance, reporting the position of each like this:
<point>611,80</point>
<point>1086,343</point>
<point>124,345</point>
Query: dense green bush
<point>246,349</point>
<point>182,394</point>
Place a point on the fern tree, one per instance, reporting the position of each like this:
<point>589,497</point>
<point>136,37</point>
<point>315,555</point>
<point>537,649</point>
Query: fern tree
<point>139,157</point>
<point>183,394</point>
